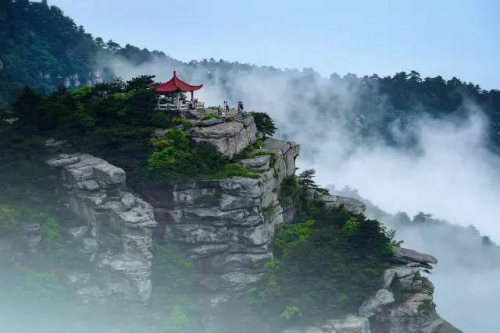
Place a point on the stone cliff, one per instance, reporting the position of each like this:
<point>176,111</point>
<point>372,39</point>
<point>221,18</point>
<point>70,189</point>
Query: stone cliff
<point>404,304</point>
<point>226,226</point>
<point>118,233</point>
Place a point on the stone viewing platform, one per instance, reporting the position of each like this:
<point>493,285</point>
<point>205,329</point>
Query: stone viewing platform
<point>230,138</point>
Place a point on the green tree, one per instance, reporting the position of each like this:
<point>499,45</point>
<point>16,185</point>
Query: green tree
<point>264,123</point>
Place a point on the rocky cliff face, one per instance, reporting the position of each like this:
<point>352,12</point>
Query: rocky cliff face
<point>118,235</point>
<point>227,225</point>
<point>229,138</point>
<point>403,305</point>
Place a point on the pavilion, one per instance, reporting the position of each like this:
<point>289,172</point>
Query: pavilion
<point>171,92</point>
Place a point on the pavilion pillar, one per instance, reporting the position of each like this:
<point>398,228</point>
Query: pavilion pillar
<point>192,96</point>
<point>178,101</point>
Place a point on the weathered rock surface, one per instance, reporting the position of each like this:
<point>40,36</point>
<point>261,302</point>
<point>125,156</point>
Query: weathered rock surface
<point>414,311</point>
<point>228,138</point>
<point>259,163</point>
<point>353,205</point>
<point>376,303</point>
<point>227,225</point>
<point>78,233</point>
<point>118,234</point>
<point>406,256</point>
<point>350,324</point>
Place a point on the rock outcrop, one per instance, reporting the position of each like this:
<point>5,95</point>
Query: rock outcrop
<point>349,324</point>
<point>118,235</point>
<point>227,225</point>
<point>403,305</point>
<point>354,206</point>
<point>228,138</point>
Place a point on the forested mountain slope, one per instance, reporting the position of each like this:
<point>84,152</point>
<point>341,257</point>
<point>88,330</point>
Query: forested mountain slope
<point>41,47</point>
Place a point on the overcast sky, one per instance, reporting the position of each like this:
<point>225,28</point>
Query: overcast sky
<point>446,37</point>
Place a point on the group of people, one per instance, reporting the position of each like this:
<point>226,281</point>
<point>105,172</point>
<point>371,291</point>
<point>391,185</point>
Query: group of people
<point>194,103</point>
<point>221,111</point>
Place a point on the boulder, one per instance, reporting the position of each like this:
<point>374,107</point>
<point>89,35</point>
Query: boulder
<point>285,154</point>
<point>404,275</point>
<point>231,202</point>
<point>109,174</point>
<point>128,201</point>
<point>200,234</point>
<point>78,232</point>
<point>209,122</point>
<point>406,256</point>
<point>258,164</point>
<point>62,160</point>
<point>136,286</point>
<point>242,187</point>
<point>239,280</point>
<point>228,138</point>
<point>350,324</point>
<point>206,250</point>
<point>89,185</point>
<point>354,206</point>
<point>376,303</point>
<point>89,245</point>
<point>54,146</point>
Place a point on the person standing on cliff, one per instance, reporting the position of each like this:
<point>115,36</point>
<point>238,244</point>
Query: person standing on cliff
<point>241,110</point>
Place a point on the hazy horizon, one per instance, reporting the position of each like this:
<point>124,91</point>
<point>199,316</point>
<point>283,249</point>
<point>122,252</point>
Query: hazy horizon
<point>446,38</point>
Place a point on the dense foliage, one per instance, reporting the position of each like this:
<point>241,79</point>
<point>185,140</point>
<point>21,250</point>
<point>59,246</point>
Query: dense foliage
<point>264,123</point>
<point>117,121</point>
<point>31,55</point>
<point>324,264</point>
<point>176,159</point>
<point>42,48</point>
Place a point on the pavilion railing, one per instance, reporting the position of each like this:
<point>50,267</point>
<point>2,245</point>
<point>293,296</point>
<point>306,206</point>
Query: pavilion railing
<point>175,107</point>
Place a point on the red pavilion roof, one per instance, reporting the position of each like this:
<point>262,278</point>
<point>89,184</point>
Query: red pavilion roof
<point>175,85</point>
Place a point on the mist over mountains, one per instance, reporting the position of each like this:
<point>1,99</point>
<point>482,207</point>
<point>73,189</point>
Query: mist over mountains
<point>405,142</point>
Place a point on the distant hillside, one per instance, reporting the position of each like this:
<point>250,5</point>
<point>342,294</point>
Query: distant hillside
<point>41,47</point>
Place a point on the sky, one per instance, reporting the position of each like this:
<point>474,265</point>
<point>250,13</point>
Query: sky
<point>447,37</point>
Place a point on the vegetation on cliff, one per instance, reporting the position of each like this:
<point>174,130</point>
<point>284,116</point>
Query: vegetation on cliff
<point>39,46</point>
<point>324,264</point>
<point>117,121</point>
